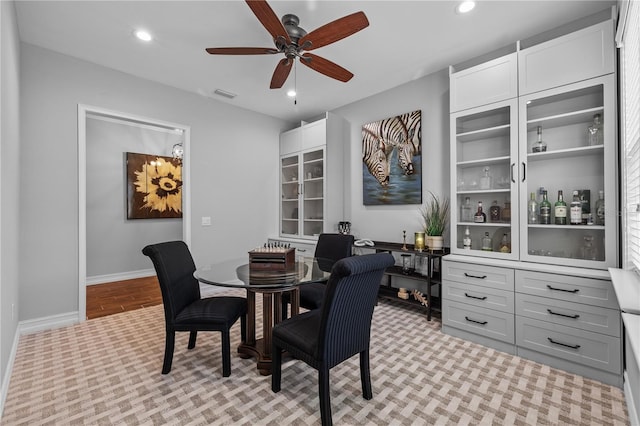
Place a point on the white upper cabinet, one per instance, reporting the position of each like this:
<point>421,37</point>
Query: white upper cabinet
<point>581,55</point>
<point>566,90</point>
<point>492,81</point>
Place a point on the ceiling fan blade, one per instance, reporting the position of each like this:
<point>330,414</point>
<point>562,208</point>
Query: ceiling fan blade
<point>269,19</point>
<point>334,31</point>
<point>241,50</point>
<point>326,67</point>
<point>281,73</point>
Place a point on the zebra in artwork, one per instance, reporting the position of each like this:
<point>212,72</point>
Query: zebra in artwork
<point>401,132</point>
<point>375,155</point>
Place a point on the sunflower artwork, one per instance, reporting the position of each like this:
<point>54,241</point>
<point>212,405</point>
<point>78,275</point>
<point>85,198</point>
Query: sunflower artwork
<point>154,186</point>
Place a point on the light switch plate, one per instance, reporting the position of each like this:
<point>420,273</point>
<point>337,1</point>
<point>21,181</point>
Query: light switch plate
<point>206,221</point>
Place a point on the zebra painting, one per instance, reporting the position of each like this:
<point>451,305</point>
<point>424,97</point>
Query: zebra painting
<point>399,138</point>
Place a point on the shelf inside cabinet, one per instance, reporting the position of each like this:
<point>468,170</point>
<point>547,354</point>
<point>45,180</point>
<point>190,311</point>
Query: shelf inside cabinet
<point>482,191</point>
<point>487,133</point>
<point>566,153</point>
<point>483,162</point>
<point>488,224</point>
<point>565,119</point>
<point>576,227</point>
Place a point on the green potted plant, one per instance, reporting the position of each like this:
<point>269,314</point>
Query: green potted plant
<point>435,215</point>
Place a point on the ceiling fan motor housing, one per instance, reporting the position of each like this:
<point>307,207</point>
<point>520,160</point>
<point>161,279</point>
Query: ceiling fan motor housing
<point>290,23</point>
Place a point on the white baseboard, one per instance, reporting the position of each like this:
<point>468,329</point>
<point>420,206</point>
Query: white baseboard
<point>6,380</point>
<point>48,323</point>
<point>120,276</point>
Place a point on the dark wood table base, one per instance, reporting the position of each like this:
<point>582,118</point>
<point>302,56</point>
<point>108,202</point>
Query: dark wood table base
<point>271,315</point>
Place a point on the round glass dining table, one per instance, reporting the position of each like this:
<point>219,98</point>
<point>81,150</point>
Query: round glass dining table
<point>271,284</point>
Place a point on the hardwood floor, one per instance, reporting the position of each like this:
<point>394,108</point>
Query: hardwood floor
<point>121,296</point>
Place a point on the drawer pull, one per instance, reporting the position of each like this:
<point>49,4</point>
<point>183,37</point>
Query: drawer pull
<point>576,316</point>
<point>476,297</point>
<point>475,276</point>
<point>563,344</point>
<point>477,322</point>
<point>575,290</point>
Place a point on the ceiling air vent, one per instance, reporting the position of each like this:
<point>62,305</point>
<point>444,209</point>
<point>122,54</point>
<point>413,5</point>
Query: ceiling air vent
<point>224,93</point>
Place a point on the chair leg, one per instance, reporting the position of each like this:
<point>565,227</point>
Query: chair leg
<point>276,368</point>
<point>365,375</point>
<point>325,397</point>
<point>169,342</point>
<point>192,339</point>
<point>226,353</point>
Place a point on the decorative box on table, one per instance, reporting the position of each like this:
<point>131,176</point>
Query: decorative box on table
<point>272,259</point>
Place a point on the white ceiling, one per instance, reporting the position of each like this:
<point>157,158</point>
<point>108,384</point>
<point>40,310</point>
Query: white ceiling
<point>404,41</point>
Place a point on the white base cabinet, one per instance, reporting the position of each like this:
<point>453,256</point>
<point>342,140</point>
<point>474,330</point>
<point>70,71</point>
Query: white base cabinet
<point>568,319</point>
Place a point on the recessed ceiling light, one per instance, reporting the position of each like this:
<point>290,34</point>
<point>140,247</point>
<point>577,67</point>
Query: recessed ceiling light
<point>291,93</point>
<point>466,6</point>
<point>143,35</point>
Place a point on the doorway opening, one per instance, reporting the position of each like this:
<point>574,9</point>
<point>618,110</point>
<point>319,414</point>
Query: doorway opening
<point>94,126</point>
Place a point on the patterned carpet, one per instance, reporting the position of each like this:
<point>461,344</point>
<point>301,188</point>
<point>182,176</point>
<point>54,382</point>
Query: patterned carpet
<point>107,371</point>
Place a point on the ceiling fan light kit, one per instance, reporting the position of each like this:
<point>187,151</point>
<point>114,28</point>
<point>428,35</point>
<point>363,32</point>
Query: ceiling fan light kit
<point>294,42</point>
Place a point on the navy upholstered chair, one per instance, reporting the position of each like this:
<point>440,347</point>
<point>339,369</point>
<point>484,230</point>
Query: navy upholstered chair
<point>184,309</point>
<point>340,329</point>
<point>330,248</point>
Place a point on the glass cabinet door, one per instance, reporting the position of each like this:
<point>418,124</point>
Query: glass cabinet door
<point>568,144</point>
<point>313,192</point>
<point>289,195</point>
<point>484,151</point>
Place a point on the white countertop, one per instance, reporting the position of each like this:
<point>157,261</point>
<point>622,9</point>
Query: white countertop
<point>627,287</point>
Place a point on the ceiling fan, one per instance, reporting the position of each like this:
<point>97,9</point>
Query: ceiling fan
<point>295,42</point>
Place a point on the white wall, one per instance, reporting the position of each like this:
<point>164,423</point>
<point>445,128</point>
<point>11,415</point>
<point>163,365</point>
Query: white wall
<point>113,241</point>
<point>429,94</point>
<point>233,152</point>
<point>9,177</point>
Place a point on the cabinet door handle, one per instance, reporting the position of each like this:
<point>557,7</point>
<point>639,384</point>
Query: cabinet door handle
<point>476,297</point>
<point>575,290</point>
<point>475,321</point>
<point>475,276</point>
<point>511,172</point>
<point>576,316</point>
<point>524,171</point>
<point>563,344</point>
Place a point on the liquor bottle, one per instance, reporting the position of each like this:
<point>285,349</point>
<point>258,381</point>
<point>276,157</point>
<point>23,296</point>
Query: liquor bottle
<point>466,240</point>
<point>560,210</point>
<point>506,211</point>
<point>494,212</point>
<point>485,181</point>
<point>486,242</point>
<point>600,208</point>
<point>545,209</point>
<point>465,211</point>
<point>505,246</point>
<point>532,209</point>
<point>594,132</point>
<point>585,200</point>
<point>575,209</point>
<point>479,217</point>
<point>540,145</point>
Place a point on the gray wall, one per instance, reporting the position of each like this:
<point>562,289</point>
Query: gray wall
<point>429,94</point>
<point>113,242</point>
<point>232,156</point>
<point>9,177</point>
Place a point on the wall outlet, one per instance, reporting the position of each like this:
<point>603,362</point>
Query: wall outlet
<point>206,221</point>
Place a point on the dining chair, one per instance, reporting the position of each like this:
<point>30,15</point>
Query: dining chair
<point>184,309</point>
<point>329,249</point>
<point>340,329</point>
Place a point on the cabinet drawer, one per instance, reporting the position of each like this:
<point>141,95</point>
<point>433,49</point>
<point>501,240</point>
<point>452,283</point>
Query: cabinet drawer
<point>486,83</point>
<point>485,322</point>
<point>581,55</point>
<point>583,347</point>
<point>487,276</point>
<point>486,297</point>
<point>585,317</point>
<point>563,287</point>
